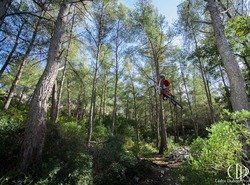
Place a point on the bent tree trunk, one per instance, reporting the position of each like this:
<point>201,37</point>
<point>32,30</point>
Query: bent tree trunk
<point>21,67</point>
<point>238,89</point>
<point>35,130</point>
<point>9,58</point>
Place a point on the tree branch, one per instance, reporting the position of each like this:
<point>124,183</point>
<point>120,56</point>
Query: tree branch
<point>29,13</point>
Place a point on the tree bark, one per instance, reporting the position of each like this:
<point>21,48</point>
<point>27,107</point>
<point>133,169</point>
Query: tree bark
<point>68,98</point>
<point>101,100</point>
<point>25,89</point>
<point>189,101</point>
<point>4,5</point>
<point>35,130</point>
<point>181,119</point>
<point>99,42</point>
<point>229,104</point>
<point>54,108</point>
<point>238,90</point>
<point>105,98</point>
<point>116,79</point>
<point>135,110</point>
<point>58,101</point>
<point>157,120</point>
<point>206,87</point>
<point>163,132</point>
<point>207,90</point>
<point>93,98</point>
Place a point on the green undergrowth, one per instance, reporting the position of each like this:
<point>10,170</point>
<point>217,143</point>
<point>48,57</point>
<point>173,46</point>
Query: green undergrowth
<point>211,157</point>
<point>66,159</point>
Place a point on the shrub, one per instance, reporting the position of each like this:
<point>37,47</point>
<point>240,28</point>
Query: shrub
<point>65,159</point>
<point>113,164</point>
<point>212,156</point>
<point>223,147</point>
<point>100,133</point>
<point>11,136</point>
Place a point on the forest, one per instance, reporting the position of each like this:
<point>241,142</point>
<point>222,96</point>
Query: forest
<point>77,103</point>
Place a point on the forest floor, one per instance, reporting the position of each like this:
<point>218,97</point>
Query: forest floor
<point>159,171</point>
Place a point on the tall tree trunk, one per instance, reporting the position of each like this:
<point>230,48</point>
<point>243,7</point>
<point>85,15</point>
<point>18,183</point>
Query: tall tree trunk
<point>103,98</point>
<point>21,67</point>
<point>68,98</point>
<point>209,99</point>
<point>98,41</point>
<point>163,131</point>
<point>54,103</point>
<point>247,64</point>
<point>22,95</point>
<point>116,82</point>
<point>229,104</point>
<point>237,84</point>
<point>135,111</point>
<point>157,120</point>
<point>35,130</point>
<point>9,58</point>
<point>104,110</point>
<point>126,110</point>
<point>152,117</point>
<point>156,53</point>
<point>181,119</point>
<point>64,70</point>
<point>93,98</point>
<point>189,101</point>
<point>114,107</point>
<point>172,116</point>
<point>238,90</point>
<point>4,5</point>
<point>101,104</point>
<point>176,124</point>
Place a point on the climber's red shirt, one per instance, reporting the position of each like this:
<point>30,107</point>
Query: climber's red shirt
<point>165,83</point>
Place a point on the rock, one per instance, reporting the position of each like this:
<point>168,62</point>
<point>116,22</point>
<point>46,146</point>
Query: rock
<point>136,178</point>
<point>179,154</point>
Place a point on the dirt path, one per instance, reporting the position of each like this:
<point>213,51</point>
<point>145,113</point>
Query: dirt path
<point>159,172</point>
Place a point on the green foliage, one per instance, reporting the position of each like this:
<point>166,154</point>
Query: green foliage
<point>31,69</point>
<point>113,163</point>
<point>11,136</point>
<point>188,174</point>
<point>146,149</point>
<point>125,127</point>
<point>53,171</point>
<point>65,159</point>
<point>100,133</point>
<point>225,136</point>
<point>239,26</point>
<point>212,156</point>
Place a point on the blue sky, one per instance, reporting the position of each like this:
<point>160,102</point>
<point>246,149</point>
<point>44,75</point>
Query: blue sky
<point>168,8</point>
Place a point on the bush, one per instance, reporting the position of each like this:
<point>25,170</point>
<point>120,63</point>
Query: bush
<point>11,137</point>
<point>145,149</point>
<point>212,156</point>
<point>65,159</point>
<point>100,133</point>
<point>113,164</point>
<point>223,147</point>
